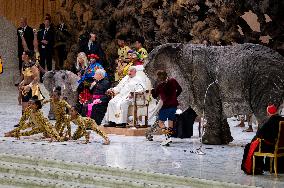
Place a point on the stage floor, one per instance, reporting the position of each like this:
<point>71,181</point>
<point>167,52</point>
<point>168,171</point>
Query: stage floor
<point>220,163</point>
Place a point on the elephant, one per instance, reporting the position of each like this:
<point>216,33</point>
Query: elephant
<point>67,80</point>
<point>220,81</point>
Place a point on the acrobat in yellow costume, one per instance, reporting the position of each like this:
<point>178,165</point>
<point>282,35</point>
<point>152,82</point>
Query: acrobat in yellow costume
<point>83,123</point>
<point>37,122</point>
<point>62,121</point>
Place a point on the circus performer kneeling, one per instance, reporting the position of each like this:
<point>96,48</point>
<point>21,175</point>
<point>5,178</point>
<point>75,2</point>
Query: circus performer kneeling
<point>33,118</point>
<point>83,123</point>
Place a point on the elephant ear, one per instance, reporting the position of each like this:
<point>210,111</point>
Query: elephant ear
<point>73,80</point>
<point>48,80</point>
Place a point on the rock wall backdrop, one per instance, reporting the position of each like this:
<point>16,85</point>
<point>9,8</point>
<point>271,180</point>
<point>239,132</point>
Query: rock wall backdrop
<point>8,51</point>
<point>220,22</point>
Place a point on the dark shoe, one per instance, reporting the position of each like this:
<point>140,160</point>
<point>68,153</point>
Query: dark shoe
<point>111,124</point>
<point>17,125</point>
<point>123,125</point>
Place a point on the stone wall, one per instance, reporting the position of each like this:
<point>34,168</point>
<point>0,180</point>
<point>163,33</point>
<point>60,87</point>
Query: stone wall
<point>220,22</point>
<point>8,51</point>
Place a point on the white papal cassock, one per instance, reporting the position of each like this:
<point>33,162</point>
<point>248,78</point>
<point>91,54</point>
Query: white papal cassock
<point>117,109</point>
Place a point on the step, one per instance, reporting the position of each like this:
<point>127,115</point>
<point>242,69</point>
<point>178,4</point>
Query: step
<point>71,176</point>
<point>10,180</point>
<point>74,172</point>
<point>124,131</point>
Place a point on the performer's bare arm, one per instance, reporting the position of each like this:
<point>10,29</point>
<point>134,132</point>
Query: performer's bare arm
<point>67,105</point>
<point>46,101</point>
<point>36,74</point>
<point>36,78</point>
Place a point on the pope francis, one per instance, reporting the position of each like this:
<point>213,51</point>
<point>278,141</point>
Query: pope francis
<point>117,109</point>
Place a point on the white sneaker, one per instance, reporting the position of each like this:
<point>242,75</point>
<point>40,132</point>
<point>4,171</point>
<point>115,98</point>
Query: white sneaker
<point>166,142</point>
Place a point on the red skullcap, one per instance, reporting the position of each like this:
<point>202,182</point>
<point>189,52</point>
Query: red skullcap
<point>271,109</point>
<point>93,56</point>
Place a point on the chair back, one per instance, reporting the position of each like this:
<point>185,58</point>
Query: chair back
<point>140,97</point>
<point>280,140</point>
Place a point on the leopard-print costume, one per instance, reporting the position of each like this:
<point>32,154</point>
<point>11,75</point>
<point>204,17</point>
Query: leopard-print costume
<point>42,125</point>
<point>83,123</point>
<point>23,124</point>
<point>62,121</point>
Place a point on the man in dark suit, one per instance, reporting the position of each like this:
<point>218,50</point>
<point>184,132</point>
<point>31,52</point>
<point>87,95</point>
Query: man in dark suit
<point>27,32</point>
<point>93,47</point>
<point>61,36</point>
<point>45,39</point>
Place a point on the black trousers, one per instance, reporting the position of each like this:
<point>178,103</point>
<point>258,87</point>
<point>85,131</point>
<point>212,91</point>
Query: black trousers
<point>61,55</point>
<point>46,59</point>
<point>98,112</point>
<point>20,62</point>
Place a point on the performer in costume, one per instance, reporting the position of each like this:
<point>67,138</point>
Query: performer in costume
<point>37,57</point>
<point>38,122</point>
<point>137,59</point>
<point>88,78</point>
<point>120,64</point>
<point>91,69</point>
<point>139,48</point>
<point>30,85</point>
<point>129,63</point>
<point>24,122</point>
<point>123,48</point>
<point>60,107</point>
<point>83,123</point>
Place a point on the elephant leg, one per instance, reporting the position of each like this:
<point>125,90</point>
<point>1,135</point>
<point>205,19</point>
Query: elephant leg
<point>51,115</point>
<point>217,130</point>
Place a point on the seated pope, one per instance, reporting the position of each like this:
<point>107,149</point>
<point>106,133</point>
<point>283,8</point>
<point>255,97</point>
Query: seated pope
<point>117,110</point>
<point>96,107</point>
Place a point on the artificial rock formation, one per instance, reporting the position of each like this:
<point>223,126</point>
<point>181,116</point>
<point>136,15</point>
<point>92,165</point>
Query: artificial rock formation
<point>220,22</point>
<point>222,81</point>
<point>8,52</point>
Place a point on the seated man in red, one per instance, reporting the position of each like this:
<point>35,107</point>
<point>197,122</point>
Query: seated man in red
<point>97,106</point>
<point>269,130</point>
<point>269,133</point>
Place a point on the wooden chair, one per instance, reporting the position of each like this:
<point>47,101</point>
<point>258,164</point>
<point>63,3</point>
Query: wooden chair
<point>278,151</point>
<point>139,107</point>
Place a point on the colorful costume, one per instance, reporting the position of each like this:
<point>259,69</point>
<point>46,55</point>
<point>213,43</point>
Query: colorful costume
<point>35,90</point>
<point>122,52</point>
<point>125,70</point>
<point>37,122</point>
<point>143,53</point>
<point>59,108</point>
<point>83,123</point>
<point>22,123</point>
<point>85,82</point>
<point>90,72</point>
